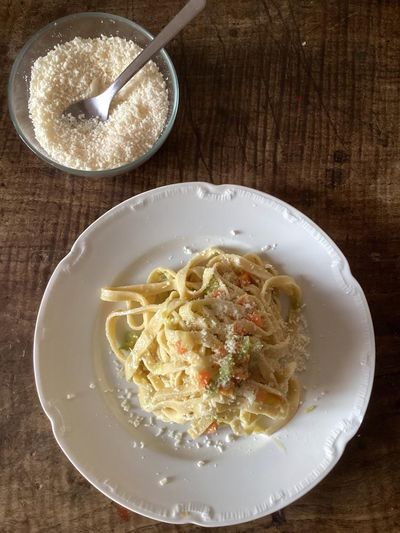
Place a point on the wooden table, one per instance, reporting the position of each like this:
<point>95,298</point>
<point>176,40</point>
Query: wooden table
<point>298,98</point>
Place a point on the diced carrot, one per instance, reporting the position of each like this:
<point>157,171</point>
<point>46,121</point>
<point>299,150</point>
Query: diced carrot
<point>245,279</point>
<point>216,294</point>
<point>255,318</point>
<point>212,428</point>
<point>180,348</point>
<point>204,378</point>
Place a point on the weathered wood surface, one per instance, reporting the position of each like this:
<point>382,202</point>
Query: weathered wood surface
<point>299,98</point>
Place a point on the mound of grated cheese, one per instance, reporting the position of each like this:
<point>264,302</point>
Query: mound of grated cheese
<point>85,67</point>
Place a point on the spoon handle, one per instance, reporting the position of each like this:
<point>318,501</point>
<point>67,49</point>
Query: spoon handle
<point>191,10</point>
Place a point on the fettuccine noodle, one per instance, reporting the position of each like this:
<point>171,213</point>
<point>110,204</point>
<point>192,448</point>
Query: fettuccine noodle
<point>210,344</point>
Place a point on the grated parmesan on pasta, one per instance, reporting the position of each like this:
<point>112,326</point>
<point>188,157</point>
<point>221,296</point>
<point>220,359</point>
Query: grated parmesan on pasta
<point>240,371</point>
<point>85,67</point>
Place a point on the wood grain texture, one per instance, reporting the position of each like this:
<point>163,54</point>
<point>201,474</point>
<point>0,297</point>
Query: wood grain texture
<point>298,98</point>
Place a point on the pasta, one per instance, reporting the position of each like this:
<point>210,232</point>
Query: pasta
<point>211,345</point>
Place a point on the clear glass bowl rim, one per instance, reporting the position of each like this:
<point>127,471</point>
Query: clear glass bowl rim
<point>111,171</point>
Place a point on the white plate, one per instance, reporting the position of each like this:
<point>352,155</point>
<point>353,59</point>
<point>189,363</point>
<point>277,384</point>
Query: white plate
<point>252,476</point>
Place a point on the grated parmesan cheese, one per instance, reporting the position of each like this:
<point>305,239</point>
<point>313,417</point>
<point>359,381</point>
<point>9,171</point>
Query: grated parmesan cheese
<point>159,432</point>
<point>85,67</point>
<point>229,438</point>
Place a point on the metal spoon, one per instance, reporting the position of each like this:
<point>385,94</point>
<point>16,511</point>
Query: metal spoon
<point>99,106</point>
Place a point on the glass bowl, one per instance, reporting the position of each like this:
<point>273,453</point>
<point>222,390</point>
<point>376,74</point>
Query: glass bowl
<point>65,29</point>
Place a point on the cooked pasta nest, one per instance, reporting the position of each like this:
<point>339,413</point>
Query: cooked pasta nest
<point>213,343</point>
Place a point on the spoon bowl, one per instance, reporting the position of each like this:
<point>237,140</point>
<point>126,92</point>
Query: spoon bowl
<point>99,106</point>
